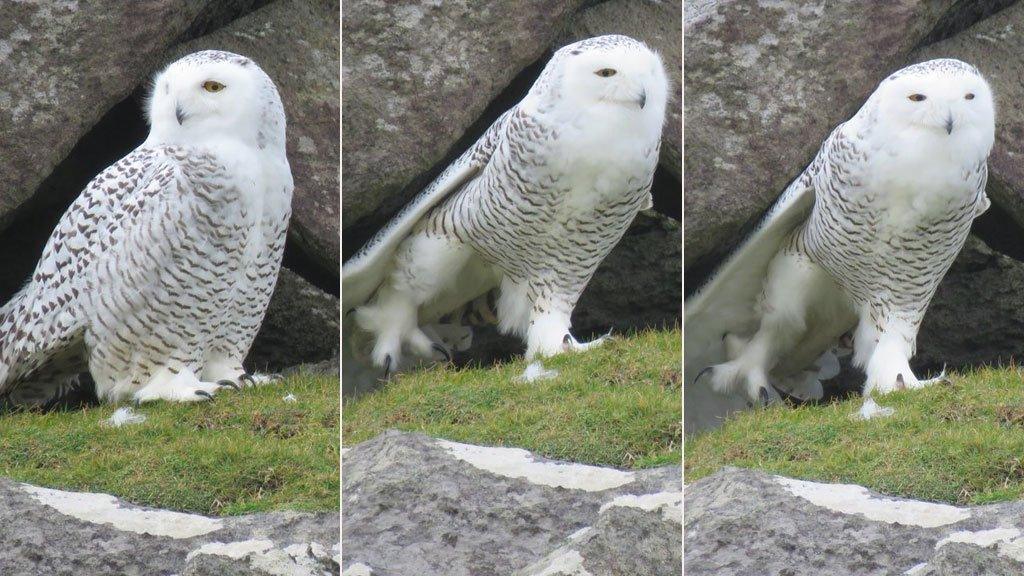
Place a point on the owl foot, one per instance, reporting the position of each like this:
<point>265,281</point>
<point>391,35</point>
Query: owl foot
<point>174,390</point>
<point>570,344</point>
<point>729,379</point>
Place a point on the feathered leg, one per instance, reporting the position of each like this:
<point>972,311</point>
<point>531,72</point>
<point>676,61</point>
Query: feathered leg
<point>885,355</point>
<point>795,286</point>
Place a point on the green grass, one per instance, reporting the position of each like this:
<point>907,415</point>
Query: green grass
<point>961,443</point>
<point>246,451</point>
<point>616,405</point>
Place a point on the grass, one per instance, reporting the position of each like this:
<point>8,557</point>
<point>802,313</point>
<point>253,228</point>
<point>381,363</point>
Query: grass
<point>961,443</point>
<point>245,452</point>
<point>616,405</point>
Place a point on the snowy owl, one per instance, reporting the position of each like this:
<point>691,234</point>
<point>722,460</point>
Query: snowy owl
<point>157,277</point>
<point>531,209</point>
<point>859,241</point>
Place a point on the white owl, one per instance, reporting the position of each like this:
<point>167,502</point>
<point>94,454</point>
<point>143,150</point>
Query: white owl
<point>860,241</point>
<point>532,208</point>
<point>157,277</point>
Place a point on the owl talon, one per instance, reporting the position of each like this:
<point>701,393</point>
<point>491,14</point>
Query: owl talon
<point>387,367</point>
<point>205,394</point>
<point>763,398</point>
<point>444,352</point>
<point>247,379</point>
<point>228,383</point>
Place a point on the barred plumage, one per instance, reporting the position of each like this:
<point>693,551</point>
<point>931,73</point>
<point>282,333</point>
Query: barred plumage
<point>533,208</point>
<point>861,239</point>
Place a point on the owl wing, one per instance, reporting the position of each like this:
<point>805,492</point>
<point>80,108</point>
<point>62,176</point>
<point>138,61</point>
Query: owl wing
<point>727,303</point>
<point>364,272</point>
<point>100,260</point>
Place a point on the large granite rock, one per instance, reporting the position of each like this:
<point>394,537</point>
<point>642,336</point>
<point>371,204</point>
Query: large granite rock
<point>656,23</point>
<point>55,533</point>
<point>741,522</point>
<point>996,45</point>
<point>296,44</point>
<point>764,85</point>
<point>418,76</point>
<point>62,66</point>
<point>302,326</point>
<point>416,506</point>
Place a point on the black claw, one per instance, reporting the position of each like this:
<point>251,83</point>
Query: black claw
<point>794,400</point>
<point>247,379</point>
<point>204,393</point>
<point>443,351</point>
<point>702,372</point>
<point>567,339</point>
<point>387,366</point>
<point>763,398</point>
<point>227,383</point>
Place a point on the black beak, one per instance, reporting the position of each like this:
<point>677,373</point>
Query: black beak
<point>949,124</point>
<point>179,114</point>
<point>643,99</point>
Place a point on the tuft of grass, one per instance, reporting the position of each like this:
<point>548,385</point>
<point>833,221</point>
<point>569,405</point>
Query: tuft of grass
<point>961,443</point>
<point>246,451</point>
<point>619,404</point>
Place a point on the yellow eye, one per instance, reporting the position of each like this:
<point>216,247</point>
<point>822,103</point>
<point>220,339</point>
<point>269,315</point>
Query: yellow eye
<point>605,72</point>
<point>917,97</point>
<point>969,96</point>
<point>212,86</point>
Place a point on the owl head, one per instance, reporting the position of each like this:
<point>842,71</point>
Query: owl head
<point>610,75</point>
<point>945,100</point>
<point>213,95</point>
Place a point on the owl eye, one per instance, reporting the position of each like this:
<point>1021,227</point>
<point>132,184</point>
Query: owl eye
<point>969,96</point>
<point>917,97</point>
<point>213,86</point>
<point>605,72</point>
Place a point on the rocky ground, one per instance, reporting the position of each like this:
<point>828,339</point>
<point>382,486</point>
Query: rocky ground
<point>72,81</point>
<point>424,80</point>
<point>53,532</point>
<point>741,522</point>
<point>763,89</point>
<point>414,505</point>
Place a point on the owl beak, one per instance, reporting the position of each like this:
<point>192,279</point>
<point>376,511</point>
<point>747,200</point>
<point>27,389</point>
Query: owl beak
<point>179,114</point>
<point>642,100</point>
<point>949,123</point>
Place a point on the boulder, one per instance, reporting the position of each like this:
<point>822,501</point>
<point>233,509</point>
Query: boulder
<point>417,506</point>
<point>63,65</point>
<point>995,45</point>
<point>419,77</point>
<point>47,531</point>
<point>741,522</point>
<point>764,86</point>
<point>302,326</point>
<point>656,23</point>
<point>296,44</point>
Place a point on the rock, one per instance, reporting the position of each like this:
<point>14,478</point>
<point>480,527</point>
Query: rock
<point>747,522</point>
<point>639,284</point>
<point>764,86</point>
<point>977,315</point>
<point>419,75</point>
<point>302,326</point>
<point>296,44</point>
<point>419,506</point>
<point>62,66</point>
<point>656,23</point>
<point>994,45</point>
<point>63,533</point>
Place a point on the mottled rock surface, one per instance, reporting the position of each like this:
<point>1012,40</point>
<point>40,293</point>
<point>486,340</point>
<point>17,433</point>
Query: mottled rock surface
<point>55,533</point>
<point>416,506</point>
<point>742,522</point>
<point>764,86</point>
